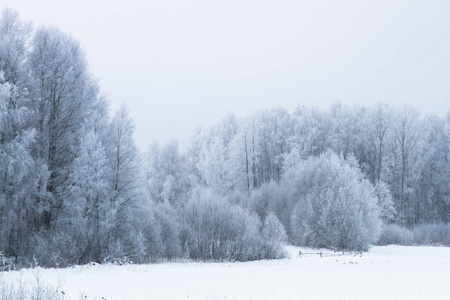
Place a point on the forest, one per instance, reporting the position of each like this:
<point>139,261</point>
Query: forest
<point>75,189</point>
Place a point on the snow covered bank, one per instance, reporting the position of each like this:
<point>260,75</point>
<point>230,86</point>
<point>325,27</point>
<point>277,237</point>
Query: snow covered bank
<point>389,272</point>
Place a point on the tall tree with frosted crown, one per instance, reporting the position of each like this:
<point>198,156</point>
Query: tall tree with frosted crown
<point>62,92</point>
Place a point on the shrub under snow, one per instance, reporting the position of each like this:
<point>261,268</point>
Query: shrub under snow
<point>219,230</point>
<point>335,206</point>
<point>274,238</point>
<point>426,234</point>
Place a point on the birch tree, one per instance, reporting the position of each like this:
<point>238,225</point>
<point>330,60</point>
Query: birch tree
<point>406,133</point>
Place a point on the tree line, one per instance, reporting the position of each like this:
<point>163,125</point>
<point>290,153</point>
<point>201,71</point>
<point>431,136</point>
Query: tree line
<point>75,189</point>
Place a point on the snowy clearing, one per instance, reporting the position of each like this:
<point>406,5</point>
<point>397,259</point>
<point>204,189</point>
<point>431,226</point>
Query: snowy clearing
<point>389,272</point>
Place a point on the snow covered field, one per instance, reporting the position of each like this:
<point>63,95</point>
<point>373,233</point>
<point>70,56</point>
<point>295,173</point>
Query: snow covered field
<point>390,272</point>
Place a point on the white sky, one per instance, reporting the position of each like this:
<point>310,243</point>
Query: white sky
<point>180,64</point>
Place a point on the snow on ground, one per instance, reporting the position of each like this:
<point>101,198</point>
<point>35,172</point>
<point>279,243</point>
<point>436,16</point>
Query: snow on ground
<point>390,272</point>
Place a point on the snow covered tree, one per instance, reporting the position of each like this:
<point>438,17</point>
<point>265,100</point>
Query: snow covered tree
<point>19,174</point>
<point>166,174</point>
<point>14,39</point>
<point>125,183</point>
<point>271,198</point>
<point>406,134</point>
<point>124,159</point>
<point>378,128</point>
<point>168,221</point>
<point>212,164</point>
<point>90,198</point>
<point>62,92</point>
<point>310,132</point>
<point>335,205</point>
<point>385,203</point>
<point>219,230</point>
<point>274,237</point>
<point>241,158</point>
<point>274,131</point>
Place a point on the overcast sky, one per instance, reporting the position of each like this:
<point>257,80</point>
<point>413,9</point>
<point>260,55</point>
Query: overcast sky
<point>180,64</point>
